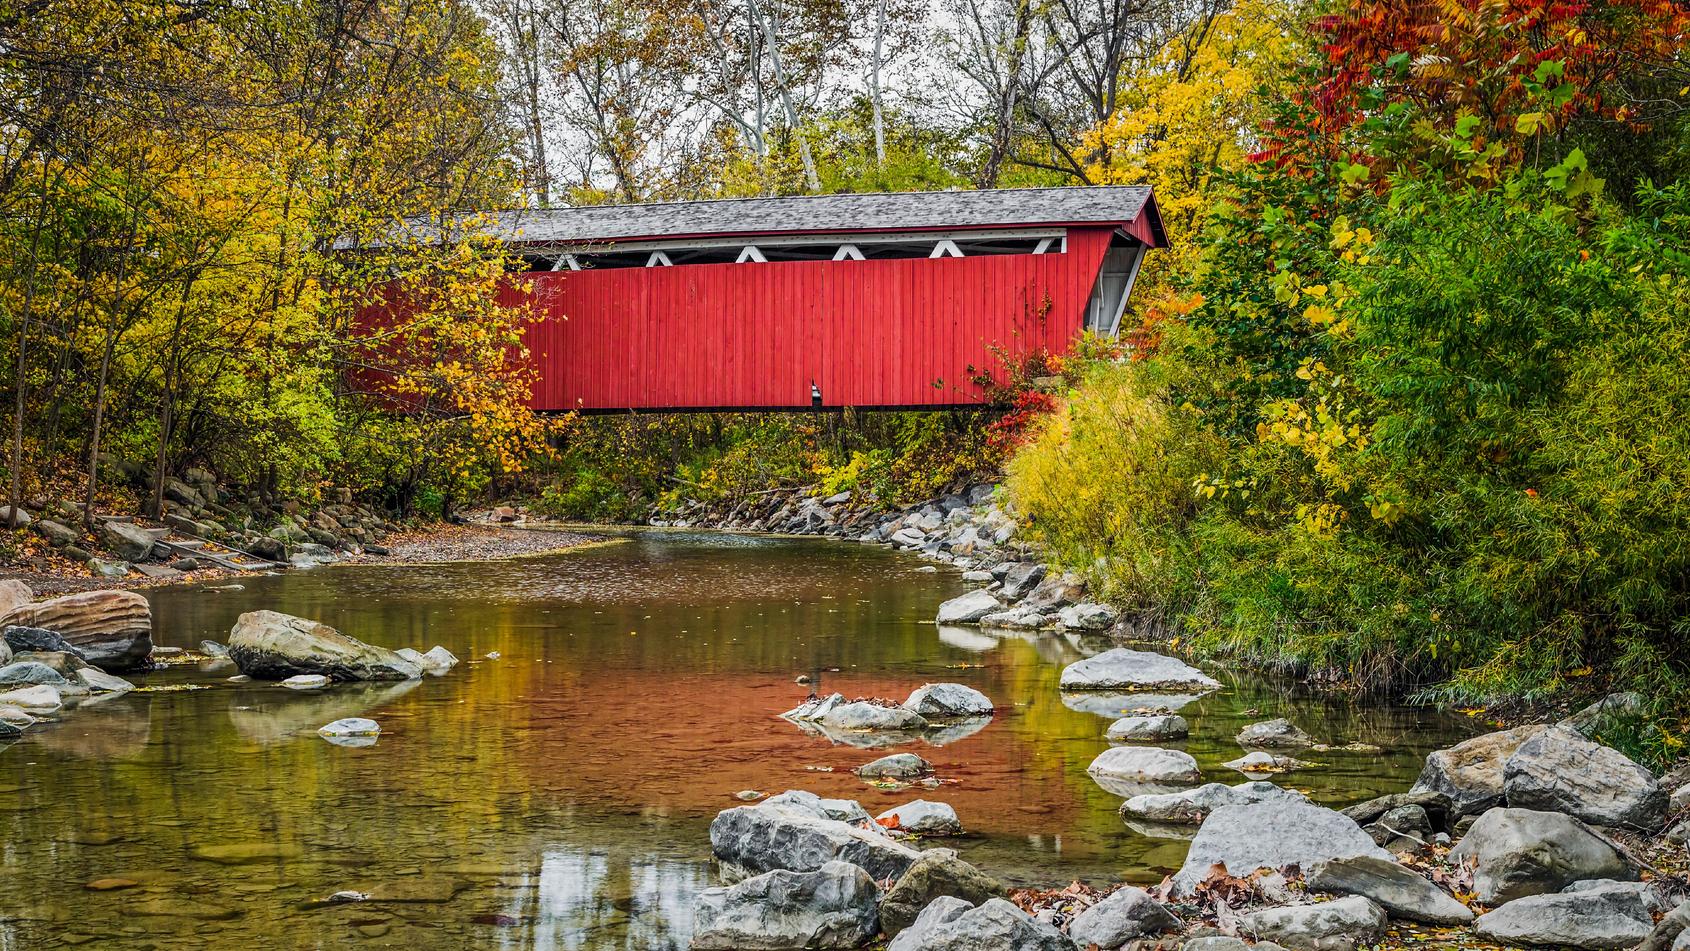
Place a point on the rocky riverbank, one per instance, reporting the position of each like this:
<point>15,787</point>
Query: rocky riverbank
<point>439,542</point>
<point>1537,836</point>
<point>1532,837</point>
<point>58,654</point>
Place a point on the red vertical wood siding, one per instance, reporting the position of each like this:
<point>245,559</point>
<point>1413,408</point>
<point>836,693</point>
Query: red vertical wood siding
<point>893,333</point>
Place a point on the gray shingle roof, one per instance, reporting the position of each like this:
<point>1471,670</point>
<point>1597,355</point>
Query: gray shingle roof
<point>893,211</point>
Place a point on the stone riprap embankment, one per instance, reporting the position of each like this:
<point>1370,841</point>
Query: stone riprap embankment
<point>202,526</point>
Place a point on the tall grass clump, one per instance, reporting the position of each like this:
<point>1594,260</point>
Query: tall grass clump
<point>1108,484</point>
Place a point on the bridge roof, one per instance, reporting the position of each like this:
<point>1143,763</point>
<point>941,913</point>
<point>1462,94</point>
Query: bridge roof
<point>1117,205</point>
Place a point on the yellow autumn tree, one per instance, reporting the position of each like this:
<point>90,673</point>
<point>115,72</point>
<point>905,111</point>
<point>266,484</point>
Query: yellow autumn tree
<point>1188,115</point>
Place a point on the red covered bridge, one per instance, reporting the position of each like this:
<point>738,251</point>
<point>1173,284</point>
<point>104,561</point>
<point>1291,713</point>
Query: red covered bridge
<point>861,300</point>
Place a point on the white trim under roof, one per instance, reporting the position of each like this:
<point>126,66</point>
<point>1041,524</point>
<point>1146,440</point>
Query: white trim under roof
<point>810,240</point>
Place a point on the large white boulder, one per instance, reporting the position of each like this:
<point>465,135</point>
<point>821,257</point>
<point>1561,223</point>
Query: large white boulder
<point>795,831</point>
<point>1192,806</point>
<point>1271,834</point>
<point>952,924</point>
<point>1559,770</point>
<point>1339,925</point>
<point>832,907</point>
<point>269,645</point>
<point>969,608</point>
<point>1602,919</point>
<point>1520,852</point>
<point>1470,773</point>
<point>948,702</point>
<point>1125,669</point>
<point>1135,770</point>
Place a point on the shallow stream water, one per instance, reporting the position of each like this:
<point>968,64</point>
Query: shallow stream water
<point>555,790</point>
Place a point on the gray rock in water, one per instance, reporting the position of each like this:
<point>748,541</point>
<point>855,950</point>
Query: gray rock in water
<point>268,645</point>
<point>17,675</point>
<point>1597,918</point>
<point>1167,726</point>
<point>1126,914</point>
<point>1280,734</point>
<point>126,540</point>
<point>1559,770</point>
<point>830,907</point>
<point>1056,592</point>
<point>815,707</point>
<point>213,649</point>
<point>863,716</point>
<point>951,924</point>
<point>1021,578</point>
<point>1521,852</point>
<point>37,700</point>
<point>920,817</point>
<point>1401,891</point>
<point>1124,669</point>
<point>842,810</point>
<point>1338,925</point>
<point>1470,773</point>
<point>99,681</point>
<point>1017,619</point>
<point>937,873</point>
<point>1135,770</point>
<point>1263,763</point>
<point>1087,616</point>
<point>302,681</point>
<point>15,716</point>
<point>350,726</point>
<point>794,831</point>
<point>896,766</point>
<point>1271,834</point>
<point>948,702</point>
<point>39,640</point>
<point>1192,806</point>
<point>969,608</point>
<point>109,629</point>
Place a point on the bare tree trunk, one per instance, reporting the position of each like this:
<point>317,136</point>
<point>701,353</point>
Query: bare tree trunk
<point>874,86</point>
<point>94,435</point>
<point>810,177</point>
<point>526,40</point>
<point>16,494</point>
<point>1003,126</point>
<point>167,409</point>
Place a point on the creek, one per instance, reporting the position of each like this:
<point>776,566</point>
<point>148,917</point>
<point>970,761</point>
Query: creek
<point>555,790</point>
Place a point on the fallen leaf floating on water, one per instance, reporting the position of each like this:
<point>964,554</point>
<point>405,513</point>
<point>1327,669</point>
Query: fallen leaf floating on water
<point>171,688</point>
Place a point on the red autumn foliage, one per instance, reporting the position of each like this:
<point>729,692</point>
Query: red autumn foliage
<point>1480,58</point>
